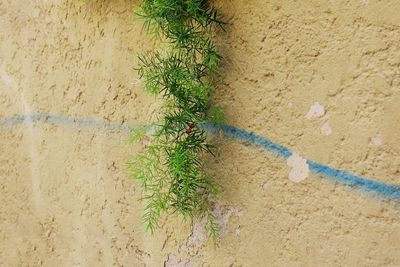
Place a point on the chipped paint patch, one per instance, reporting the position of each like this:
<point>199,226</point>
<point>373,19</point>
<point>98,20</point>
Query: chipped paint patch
<point>326,128</point>
<point>198,236</point>
<point>173,261</point>
<point>223,214</point>
<point>300,169</point>
<point>316,111</point>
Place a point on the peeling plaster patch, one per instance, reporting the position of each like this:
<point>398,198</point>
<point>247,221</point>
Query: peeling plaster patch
<point>223,215</point>
<point>300,168</point>
<point>326,128</point>
<point>172,261</point>
<point>183,248</point>
<point>377,140</point>
<point>198,236</point>
<point>316,111</point>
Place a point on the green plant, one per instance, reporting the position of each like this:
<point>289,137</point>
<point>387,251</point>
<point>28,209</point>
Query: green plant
<point>170,169</point>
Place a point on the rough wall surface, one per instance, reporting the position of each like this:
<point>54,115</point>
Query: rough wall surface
<point>319,77</point>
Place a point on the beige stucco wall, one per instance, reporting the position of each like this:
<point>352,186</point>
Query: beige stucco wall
<point>66,200</point>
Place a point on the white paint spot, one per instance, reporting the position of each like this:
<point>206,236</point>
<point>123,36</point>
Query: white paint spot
<point>299,170</point>
<point>364,2</point>
<point>290,104</point>
<point>377,140</point>
<point>326,128</point>
<point>316,111</point>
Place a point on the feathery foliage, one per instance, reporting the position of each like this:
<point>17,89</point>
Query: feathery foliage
<point>170,169</point>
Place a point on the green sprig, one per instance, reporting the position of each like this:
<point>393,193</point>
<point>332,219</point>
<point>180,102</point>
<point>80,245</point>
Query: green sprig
<point>170,170</point>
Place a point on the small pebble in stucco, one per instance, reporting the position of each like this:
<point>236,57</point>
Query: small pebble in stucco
<point>326,128</point>
<point>316,111</point>
<point>377,140</point>
<point>299,166</point>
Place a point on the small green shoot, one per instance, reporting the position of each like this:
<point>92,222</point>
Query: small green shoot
<point>170,169</point>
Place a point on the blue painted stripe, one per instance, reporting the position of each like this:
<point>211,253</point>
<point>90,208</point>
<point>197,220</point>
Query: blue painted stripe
<point>385,190</point>
<point>243,135</point>
<point>65,120</point>
<point>388,191</point>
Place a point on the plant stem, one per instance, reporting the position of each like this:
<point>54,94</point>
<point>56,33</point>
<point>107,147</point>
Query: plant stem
<point>170,170</point>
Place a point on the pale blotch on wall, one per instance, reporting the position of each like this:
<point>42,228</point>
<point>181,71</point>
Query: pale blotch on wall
<point>326,128</point>
<point>300,169</point>
<point>173,261</point>
<point>199,235</point>
<point>316,111</point>
<point>223,214</point>
<point>377,140</point>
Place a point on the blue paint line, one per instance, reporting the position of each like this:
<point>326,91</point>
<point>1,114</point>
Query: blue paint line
<point>389,191</point>
<point>385,190</point>
<point>243,135</point>
<point>65,120</point>
<point>381,189</point>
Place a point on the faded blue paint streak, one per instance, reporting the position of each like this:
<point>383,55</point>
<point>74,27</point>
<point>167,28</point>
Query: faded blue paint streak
<point>385,190</point>
<point>240,134</point>
<point>381,189</point>
<point>64,120</point>
<point>389,191</point>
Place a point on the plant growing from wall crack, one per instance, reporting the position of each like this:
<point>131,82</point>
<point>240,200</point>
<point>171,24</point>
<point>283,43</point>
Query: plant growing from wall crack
<point>170,169</point>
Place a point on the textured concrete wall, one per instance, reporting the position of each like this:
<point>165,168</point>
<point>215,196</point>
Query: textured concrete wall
<point>321,78</point>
